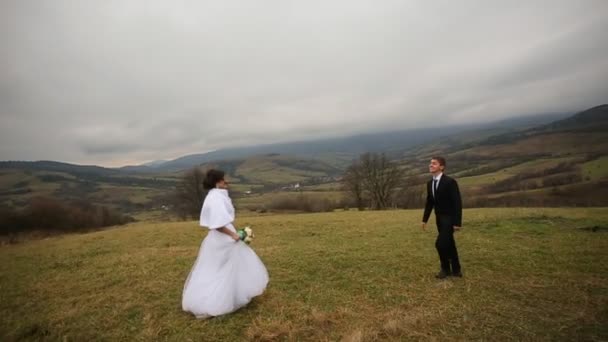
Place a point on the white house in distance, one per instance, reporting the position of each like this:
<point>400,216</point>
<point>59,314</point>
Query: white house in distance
<point>295,187</point>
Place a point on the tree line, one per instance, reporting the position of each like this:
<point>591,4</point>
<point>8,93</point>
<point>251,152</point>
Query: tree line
<point>52,215</point>
<point>375,182</point>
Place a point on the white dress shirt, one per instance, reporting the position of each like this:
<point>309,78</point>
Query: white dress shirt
<point>436,184</point>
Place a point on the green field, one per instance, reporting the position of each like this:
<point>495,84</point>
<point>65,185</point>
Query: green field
<point>265,200</point>
<point>277,169</point>
<point>530,274</point>
<point>596,169</point>
<point>507,172</point>
<point>336,186</point>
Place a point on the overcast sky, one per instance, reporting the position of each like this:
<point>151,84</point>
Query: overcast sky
<point>123,82</point>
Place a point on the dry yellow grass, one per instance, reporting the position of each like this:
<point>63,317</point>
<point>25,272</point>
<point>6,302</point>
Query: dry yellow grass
<point>530,274</point>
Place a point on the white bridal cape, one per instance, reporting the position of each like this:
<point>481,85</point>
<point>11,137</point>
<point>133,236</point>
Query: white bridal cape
<point>226,274</point>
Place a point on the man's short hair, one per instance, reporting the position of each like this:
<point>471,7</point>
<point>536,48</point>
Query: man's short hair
<point>441,160</point>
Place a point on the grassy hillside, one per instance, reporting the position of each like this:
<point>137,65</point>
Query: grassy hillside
<point>128,192</point>
<point>280,169</point>
<point>554,164</point>
<point>272,199</point>
<point>596,169</point>
<point>530,274</point>
<point>132,192</point>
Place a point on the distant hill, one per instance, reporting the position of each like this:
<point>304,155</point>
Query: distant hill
<point>564,162</point>
<point>338,152</point>
<point>276,169</point>
<point>594,119</point>
<point>155,163</point>
<point>133,191</point>
<point>54,166</point>
<point>542,158</point>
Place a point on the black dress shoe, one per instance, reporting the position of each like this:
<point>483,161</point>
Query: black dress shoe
<point>442,275</point>
<point>457,274</point>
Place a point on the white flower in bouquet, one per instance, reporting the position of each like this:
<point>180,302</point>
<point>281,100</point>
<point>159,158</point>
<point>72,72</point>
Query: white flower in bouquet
<point>246,234</point>
<point>249,232</point>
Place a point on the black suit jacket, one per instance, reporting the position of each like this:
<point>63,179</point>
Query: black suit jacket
<point>447,201</point>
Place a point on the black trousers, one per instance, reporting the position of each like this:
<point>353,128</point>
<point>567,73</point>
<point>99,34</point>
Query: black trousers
<point>446,245</point>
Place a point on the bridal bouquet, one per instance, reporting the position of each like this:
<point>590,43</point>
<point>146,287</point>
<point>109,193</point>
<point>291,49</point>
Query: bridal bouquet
<point>246,234</point>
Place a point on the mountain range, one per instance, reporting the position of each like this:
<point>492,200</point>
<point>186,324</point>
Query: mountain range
<point>340,151</point>
<point>547,156</point>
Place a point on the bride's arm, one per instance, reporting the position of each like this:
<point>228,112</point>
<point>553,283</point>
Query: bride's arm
<point>229,232</point>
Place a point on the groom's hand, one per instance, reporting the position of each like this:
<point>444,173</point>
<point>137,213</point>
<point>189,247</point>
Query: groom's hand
<point>457,228</point>
<point>423,225</point>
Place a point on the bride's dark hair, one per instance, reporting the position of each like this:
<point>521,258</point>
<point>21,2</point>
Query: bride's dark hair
<point>212,178</point>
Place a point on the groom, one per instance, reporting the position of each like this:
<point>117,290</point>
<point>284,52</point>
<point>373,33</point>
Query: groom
<point>444,196</point>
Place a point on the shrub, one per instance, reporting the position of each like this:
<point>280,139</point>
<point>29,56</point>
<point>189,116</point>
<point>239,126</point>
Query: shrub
<point>48,214</point>
<point>303,203</point>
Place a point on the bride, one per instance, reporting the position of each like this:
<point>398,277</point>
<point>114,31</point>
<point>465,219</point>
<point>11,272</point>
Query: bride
<point>227,273</point>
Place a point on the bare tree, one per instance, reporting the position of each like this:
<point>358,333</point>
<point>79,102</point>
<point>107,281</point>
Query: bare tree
<point>190,194</point>
<point>411,193</point>
<point>353,184</point>
<point>376,176</point>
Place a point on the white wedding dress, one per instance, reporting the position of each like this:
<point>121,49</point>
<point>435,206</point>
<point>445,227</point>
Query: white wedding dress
<point>226,274</point>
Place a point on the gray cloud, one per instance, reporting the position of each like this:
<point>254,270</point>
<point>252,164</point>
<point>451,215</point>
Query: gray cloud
<point>115,82</point>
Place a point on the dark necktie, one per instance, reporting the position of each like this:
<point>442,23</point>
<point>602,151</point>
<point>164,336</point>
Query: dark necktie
<point>435,188</point>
